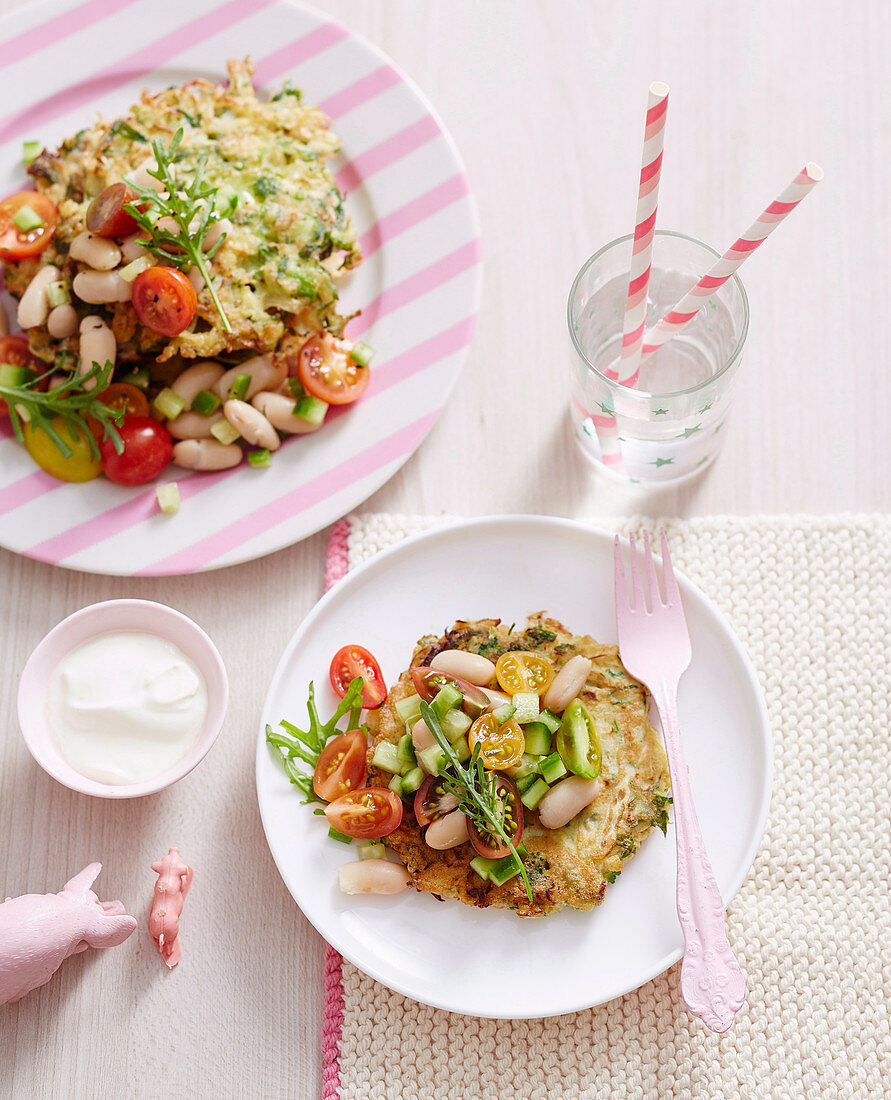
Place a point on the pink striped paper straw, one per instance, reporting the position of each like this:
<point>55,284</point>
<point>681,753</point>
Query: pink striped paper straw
<point>677,318</point>
<point>644,232</point>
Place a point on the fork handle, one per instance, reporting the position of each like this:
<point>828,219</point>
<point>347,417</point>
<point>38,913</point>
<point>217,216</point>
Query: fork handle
<point>712,984</point>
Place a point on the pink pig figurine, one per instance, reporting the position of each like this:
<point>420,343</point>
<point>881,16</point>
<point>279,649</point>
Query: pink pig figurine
<point>174,880</point>
<point>39,931</point>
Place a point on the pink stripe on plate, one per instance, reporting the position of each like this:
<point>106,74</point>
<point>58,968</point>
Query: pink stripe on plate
<point>58,28</point>
<point>263,519</point>
<point>417,285</point>
<point>136,65</point>
<point>295,53</point>
<point>413,213</point>
<point>361,91</point>
<point>396,370</point>
<point>26,489</point>
<point>387,152</point>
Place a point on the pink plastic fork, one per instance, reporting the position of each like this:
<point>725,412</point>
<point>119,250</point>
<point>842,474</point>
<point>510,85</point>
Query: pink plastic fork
<point>655,648</point>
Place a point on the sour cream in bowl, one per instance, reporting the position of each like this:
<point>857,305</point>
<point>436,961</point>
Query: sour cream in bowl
<point>122,698</point>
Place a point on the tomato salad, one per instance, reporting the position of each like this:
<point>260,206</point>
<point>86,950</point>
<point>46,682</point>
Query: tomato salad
<point>484,743</point>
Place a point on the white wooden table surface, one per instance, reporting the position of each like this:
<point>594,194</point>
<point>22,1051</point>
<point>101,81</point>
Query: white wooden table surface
<point>544,99</point>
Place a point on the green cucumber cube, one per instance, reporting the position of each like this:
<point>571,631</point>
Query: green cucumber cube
<point>552,768</point>
<point>538,739</point>
<point>525,707</point>
<point>455,723</point>
<point>409,709</point>
<point>431,759</point>
<point>550,720</point>
<point>534,794</point>
<point>447,697</point>
<point>405,755</point>
<point>412,781</point>
<point>386,756</point>
<point>504,713</point>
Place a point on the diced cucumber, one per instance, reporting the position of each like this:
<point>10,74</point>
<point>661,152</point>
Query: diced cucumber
<point>135,267</point>
<point>413,780</point>
<point>405,755</point>
<point>552,768</point>
<point>409,709</point>
<point>259,459</point>
<point>526,781</point>
<point>550,720</point>
<point>528,766</point>
<point>525,707</point>
<point>362,353</point>
<point>371,849</point>
<point>225,432</point>
<point>455,723</point>
<point>462,749</point>
<point>296,388</point>
<point>386,756</point>
<point>342,837</point>
<point>431,759</point>
<point>504,870</point>
<point>30,151</point>
<point>311,409</point>
<point>238,389</point>
<point>447,697</point>
<point>169,403</point>
<point>57,294</point>
<point>11,374</point>
<point>396,786</point>
<point>26,218</point>
<point>139,378</point>
<point>168,498</point>
<point>205,402</point>
<point>504,713</point>
<point>538,739</point>
<point>483,866</point>
<point>534,794</point>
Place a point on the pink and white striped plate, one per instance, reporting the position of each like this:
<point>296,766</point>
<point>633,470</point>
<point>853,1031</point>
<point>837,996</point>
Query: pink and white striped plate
<point>418,287</point>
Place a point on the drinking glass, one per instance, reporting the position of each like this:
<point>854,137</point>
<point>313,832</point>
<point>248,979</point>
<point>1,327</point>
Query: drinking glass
<point>668,427</point>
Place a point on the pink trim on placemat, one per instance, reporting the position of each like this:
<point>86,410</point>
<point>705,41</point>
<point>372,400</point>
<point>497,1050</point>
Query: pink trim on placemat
<point>336,565</point>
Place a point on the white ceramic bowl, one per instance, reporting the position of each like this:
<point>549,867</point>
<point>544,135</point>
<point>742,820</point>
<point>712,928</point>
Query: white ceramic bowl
<point>104,618</point>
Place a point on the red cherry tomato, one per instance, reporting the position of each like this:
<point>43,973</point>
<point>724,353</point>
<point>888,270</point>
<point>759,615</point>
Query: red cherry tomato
<point>328,372</point>
<point>148,448</point>
<point>342,766</point>
<point>17,244</point>
<point>489,845</point>
<point>119,395</point>
<point>428,681</point>
<point>15,351</point>
<point>106,216</point>
<point>164,300</point>
<point>353,661</point>
<point>366,813</point>
<point>433,801</point>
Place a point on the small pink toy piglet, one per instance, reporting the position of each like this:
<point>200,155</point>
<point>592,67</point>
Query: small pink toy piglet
<point>174,880</point>
<point>39,931</point>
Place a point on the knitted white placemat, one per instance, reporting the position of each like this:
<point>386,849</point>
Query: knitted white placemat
<point>810,598</point>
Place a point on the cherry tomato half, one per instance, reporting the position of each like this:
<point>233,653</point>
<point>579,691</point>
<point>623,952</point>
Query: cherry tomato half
<point>428,681</point>
<point>342,766</point>
<point>432,800</point>
<point>352,661</point>
<point>501,746</point>
<point>326,370</point>
<point>106,216</point>
<point>366,813</point>
<point>120,395</point>
<point>488,844</point>
<point>148,448</point>
<point>519,671</point>
<point>16,244</point>
<point>164,300</point>
<point>15,351</point>
<point>80,465</point>
<point>578,743</point>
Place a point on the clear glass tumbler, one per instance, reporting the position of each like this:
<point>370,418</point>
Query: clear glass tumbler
<point>668,427</point>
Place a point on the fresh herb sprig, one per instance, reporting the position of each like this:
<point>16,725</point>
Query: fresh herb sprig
<point>306,745</point>
<point>73,401</point>
<point>190,204</point>
<point>475,788</point>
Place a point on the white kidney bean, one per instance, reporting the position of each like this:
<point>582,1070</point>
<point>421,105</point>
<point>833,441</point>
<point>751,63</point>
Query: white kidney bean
<point>141,175</point>
<point>99,252</point>
<point>62,321</point>
<point>471,667</point>
<point>279,411</point>
<point>33,307</point>
<point>201,375</point>
<point>373,876</point>
<point>193,425</point>
<point>170,224</point>
<point>566,799</point>
<point>97,345</point>
<point>100,287</point>
<point>261,370</point>
<point>130,250</point>
<point>568,682</point>
<point>4,321</point>
<point>447,832</point>
<point>196,279</point>
<point>496,698</point>
<point>252,424</point>
<point>216,230</point>
<point>421,737</point>
<point>206,454</point>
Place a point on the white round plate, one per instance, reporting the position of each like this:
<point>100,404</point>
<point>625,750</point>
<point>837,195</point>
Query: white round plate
<point>418,286</point>
<point>490,962</point>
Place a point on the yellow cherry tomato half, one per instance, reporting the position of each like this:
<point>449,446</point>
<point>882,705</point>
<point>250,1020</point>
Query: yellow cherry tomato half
<point>519,671</point>
<point>501,746</point>
<point>79,465</point>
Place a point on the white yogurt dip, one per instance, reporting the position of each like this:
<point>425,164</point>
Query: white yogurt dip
<point>125,707</point>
